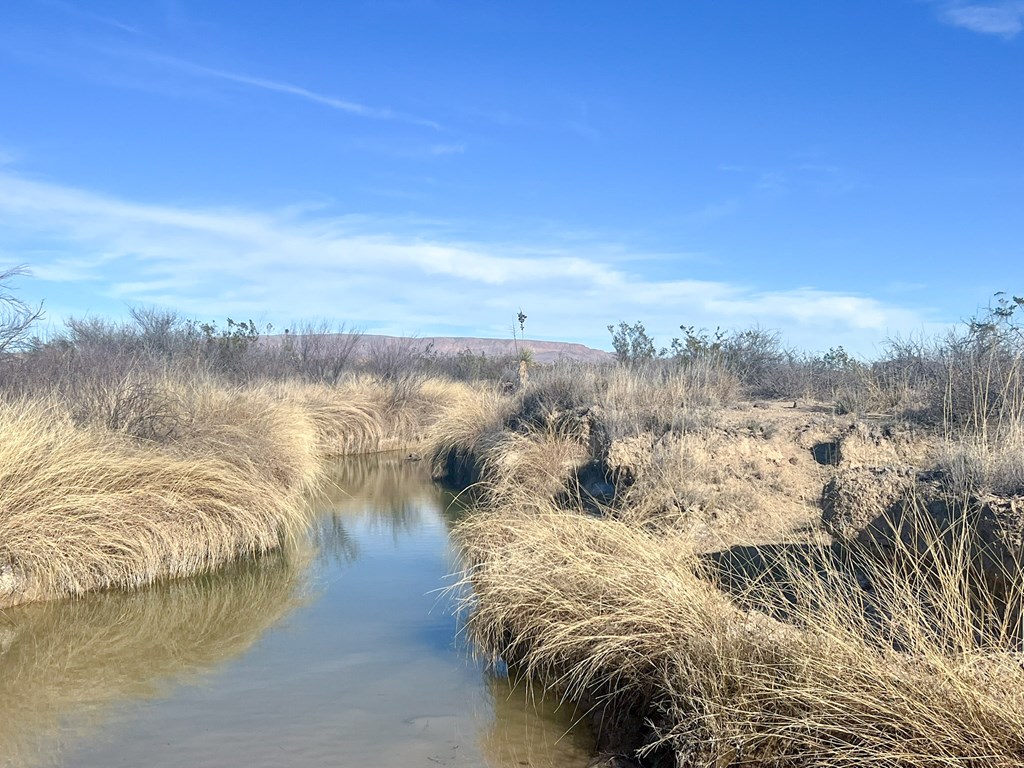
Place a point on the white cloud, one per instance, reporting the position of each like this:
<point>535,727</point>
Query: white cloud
<point>277,86</point>
<point>1004,19</point>
<point>715,211</point>
<point>387,275</point>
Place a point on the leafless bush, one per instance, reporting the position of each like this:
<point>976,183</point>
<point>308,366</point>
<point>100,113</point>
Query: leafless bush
<point>472,366</point>
<point>16,316</point>
<point>321,352</point>
<point>391,358</point>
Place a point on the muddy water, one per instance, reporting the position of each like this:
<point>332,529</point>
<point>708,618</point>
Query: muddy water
<point>342,653</point>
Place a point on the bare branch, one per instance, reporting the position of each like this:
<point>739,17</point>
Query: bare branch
<point>16,316</point>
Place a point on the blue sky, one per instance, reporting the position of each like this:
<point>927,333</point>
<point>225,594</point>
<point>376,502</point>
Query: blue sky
<point>839,171</point>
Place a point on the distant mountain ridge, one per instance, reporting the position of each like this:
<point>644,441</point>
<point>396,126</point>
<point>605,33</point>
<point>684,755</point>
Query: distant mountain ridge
<point>543,351</point>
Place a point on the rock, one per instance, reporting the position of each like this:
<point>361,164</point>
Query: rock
<point>630,457</point>
<point>856,497</point>
<point>16,586</point>
<point>10,584</point>
<point>7,638</point>
<point>890,510</point>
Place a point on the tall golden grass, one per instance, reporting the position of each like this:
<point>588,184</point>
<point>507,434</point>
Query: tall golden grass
<point>777,649</point>
<point>465,433</point>
<point>84,510</point>
<point>87,502</point>
<point>604,611</point>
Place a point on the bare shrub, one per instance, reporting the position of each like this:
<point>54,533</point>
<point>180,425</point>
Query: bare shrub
<point>472,366</point>
<point>400,365</point>
<point>971,378</point>
<point>16,316</point>
<point>321,352</point>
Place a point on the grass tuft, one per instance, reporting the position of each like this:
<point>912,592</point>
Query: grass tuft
<point>603,611</point>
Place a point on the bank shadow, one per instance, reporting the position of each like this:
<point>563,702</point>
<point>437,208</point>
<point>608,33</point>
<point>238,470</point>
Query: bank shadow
<point>890,600</point>
<point>771,577</point>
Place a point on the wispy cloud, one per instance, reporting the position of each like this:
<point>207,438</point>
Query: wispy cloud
<point>581,124</point>
<point>74,10</point>
<point>386,276</point>
<point>277,86</point>
<point>803,173</point>
<point>1003,19</point>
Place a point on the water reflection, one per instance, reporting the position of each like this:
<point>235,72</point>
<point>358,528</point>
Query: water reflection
<point>337,652</point>
<point>530,729</point>
<point>386,489</point>
<point>62,663</point>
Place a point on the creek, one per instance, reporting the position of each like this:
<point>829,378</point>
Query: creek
<point>343,651</point>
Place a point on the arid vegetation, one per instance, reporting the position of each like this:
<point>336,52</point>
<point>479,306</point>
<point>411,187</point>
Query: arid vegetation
<point>731,553</point>
<point>162,448</point>
<point>727,578</point>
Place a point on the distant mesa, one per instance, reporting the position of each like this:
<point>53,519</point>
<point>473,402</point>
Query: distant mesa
<point>543,351</point>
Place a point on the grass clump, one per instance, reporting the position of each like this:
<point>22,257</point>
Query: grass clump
<point>192,473</point>
<point>609,614</point>
<point>85,510</point>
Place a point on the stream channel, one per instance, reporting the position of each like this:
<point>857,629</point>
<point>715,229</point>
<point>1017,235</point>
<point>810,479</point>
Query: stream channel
<point>345,652</point>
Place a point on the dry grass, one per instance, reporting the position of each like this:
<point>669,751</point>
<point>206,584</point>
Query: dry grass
<point>719,487</point>
<point>85,510</point>
<point>682,399</point>
<point>337,421</point>
<point>527,447</point>
<point>598,609</point>
<point>466,431</point>
<point>982,464</point>
<point>776,649</point>
<point>531,468</point>
<point>88,503</point>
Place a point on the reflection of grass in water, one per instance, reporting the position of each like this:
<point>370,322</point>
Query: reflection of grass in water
<point>75,658</point>
<point>389,489</point>
<point>530,729</point>
<point>333,541</point>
